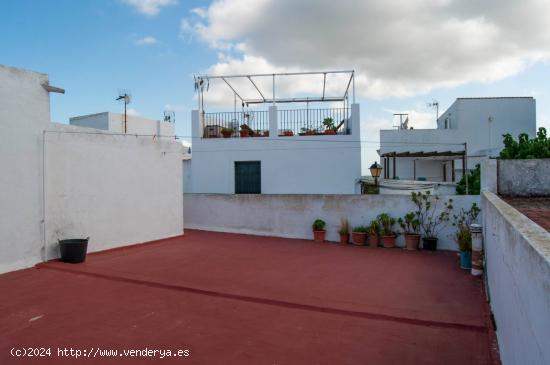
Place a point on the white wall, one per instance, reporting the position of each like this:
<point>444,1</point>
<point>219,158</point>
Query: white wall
<point>292,215</point>
<point>24,113</point>
<point>118,190</point>
<point>517,254</point>
<point>289,165</point>
<point>114,122</point>
<point>469,122</point>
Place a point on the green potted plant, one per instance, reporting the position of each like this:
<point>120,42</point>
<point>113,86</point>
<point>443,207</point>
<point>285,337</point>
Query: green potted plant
<point>387,234</point>
<point>359,235</point>
<point>245,131</point>
<point>411,229</point>
<point>431,224</point>
<point>329,125</point>
<point>372,231</point>
<point>319,230</point>
<point>463,235</point>
<point>307,131</point>
<point>344,231</point>
<point>227,132</point>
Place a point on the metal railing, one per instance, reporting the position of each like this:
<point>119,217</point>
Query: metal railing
<point>311,121</point>
<point>228,124</point>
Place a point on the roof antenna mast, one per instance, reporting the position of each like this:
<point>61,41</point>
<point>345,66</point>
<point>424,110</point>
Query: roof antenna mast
<point>126,97</point>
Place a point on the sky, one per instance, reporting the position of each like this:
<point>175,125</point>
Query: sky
<point>405,54</point>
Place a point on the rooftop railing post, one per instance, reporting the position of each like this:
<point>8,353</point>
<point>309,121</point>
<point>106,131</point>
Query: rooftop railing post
<point>355,120</point>
<point>197,126</point>
<point>273,122</point>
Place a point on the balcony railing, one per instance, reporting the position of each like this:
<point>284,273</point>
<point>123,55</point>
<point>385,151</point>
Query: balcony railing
<point>231,123</point>
<point>314,121</point>
<point>291,122</point>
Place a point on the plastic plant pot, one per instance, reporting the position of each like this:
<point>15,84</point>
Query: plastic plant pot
<point>388,241</point>
<point>319,236</point>
<point>465,260</point>
<point>74,250</point>
<point>358,238</point>
<point>373,240</point>
<point>412,241</point>
<point>429,243</point>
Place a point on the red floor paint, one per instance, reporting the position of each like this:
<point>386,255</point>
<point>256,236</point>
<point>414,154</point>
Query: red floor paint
<point>237,299</point>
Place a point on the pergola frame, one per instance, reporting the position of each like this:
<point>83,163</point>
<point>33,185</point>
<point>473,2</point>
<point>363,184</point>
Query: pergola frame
<point>201,79</point>
<point>424,155</point>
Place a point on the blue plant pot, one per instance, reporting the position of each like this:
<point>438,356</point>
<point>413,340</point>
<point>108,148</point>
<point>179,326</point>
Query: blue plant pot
<point>465,260</point>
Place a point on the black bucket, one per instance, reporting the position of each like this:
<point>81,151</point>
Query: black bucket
<point>429,243</point>
<point>73,250</point>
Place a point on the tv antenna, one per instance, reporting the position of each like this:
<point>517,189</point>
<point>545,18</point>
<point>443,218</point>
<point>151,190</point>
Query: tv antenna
<point>435,104</point>
<point>126,97</point>
<point>169,116</point>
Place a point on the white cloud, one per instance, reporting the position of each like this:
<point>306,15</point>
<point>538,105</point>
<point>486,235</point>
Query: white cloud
<point>397,48</point>
<point>149,7</point>
<point>132,112</point>
<point>149,40</point>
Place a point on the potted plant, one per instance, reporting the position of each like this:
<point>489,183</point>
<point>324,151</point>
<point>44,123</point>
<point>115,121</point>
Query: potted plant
<point>463,235</point>
<point>431,224</point>
<point>319,230</point>
<point>73,250</point>
<point>244,132</point>
<point>227,132</point>
<point>359,235</point>
<point>329,125</point>
<point>288,133</point>
<point>411,229</point>
<point>265,133</point>
<point>344,231</point>
<point>307,131</point>
<point>387,234</point>
<point>372,231</point>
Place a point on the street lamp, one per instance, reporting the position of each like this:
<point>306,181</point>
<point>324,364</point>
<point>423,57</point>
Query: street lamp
<point>375,170</point>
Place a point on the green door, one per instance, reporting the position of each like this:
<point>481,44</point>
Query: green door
<point>248,177</point>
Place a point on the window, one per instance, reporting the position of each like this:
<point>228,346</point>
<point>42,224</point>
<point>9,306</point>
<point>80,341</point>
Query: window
<point>248,177</point>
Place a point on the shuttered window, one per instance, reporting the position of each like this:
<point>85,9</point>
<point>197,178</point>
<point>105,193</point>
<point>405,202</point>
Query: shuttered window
<point>248,177</point>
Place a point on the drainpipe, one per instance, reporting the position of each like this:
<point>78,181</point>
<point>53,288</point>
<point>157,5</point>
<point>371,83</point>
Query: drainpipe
<point>45,254</point>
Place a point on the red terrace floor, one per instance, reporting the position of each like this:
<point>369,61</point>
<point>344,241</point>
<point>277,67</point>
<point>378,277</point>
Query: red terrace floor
<point>536,209</point>
<point>238,299</point>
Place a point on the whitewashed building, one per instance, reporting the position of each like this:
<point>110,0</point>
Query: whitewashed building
<point>116,123</point>
<point>468,132</point>
<point>288,149</point>
<point>63,181</point>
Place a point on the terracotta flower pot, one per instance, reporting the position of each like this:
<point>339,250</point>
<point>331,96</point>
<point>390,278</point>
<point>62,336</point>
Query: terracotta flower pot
<point>344,238</point>
<point>288,133</point>
<point>319,236</point>
<point>244,133</point>
<point>412,241</point>
<point>227,134</point>
<point>388,241</point>
<point>330,131</point>
<point>358,238</point>
<point>373,240</point>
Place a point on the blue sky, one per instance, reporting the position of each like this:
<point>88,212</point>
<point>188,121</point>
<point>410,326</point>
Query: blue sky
<point>94,48</point>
